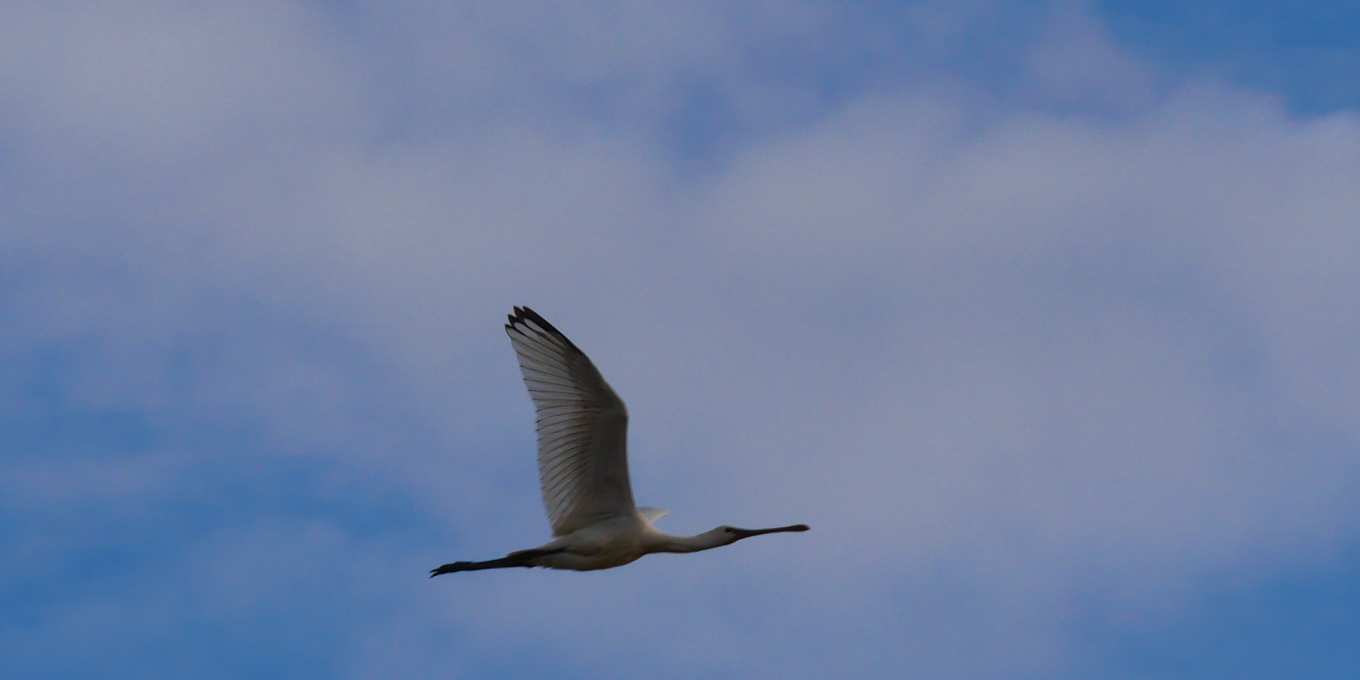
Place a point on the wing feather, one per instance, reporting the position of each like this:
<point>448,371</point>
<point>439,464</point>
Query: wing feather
<point>582,427</point>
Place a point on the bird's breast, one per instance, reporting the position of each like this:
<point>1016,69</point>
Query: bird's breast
<point>596,548</point>
<point>616,554</point>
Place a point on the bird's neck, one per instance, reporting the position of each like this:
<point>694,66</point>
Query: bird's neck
<point>688,544</point>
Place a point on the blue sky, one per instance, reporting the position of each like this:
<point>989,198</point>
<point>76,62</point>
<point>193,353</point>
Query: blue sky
<point>1041,314</point>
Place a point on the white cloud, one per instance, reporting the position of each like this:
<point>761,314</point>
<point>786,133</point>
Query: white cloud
<point>1005,362</point>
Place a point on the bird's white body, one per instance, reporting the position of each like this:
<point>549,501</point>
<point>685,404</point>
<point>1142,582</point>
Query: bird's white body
<point>583,465</point>
<point>607,543</point>
<point>621,540</point>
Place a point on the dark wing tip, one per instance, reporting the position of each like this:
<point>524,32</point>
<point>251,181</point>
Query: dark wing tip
<point>524,316</point>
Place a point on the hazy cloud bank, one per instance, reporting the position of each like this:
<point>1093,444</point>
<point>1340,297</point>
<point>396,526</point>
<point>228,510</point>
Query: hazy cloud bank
<point>1015,359</point>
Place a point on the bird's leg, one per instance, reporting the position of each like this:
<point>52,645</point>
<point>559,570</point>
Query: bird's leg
<point>502,563</point>
<point>515,559</point>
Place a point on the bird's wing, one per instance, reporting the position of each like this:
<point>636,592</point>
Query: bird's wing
<point>582,427</point>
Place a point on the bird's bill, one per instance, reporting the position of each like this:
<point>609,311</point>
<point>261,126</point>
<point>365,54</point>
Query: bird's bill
<point>747,533</point>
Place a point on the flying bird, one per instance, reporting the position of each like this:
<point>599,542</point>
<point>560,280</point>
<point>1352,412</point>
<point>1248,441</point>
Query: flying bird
<point>583,465</point>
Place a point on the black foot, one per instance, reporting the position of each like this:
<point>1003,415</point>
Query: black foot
<point>450,568</point>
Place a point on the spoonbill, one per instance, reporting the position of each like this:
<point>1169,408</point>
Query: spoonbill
<point>583,465</point>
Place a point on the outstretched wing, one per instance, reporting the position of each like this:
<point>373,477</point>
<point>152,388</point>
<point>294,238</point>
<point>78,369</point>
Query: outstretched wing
<point>582,427</point>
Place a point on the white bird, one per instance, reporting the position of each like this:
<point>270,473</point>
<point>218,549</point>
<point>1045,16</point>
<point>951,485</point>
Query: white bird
<point>583,465</point>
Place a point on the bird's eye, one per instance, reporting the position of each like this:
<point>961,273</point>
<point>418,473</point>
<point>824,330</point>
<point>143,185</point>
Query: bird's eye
<point>729,530</point>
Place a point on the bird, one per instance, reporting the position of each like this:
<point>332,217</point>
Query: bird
<point>583,465</point>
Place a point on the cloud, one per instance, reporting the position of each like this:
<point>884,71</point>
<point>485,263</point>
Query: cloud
<point>1013,362</point>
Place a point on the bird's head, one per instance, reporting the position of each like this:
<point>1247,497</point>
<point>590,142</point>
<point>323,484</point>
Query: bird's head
<point>732,534</point>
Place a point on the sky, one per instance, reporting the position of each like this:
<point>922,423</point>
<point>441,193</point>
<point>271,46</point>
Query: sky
<point>1043,315</point>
